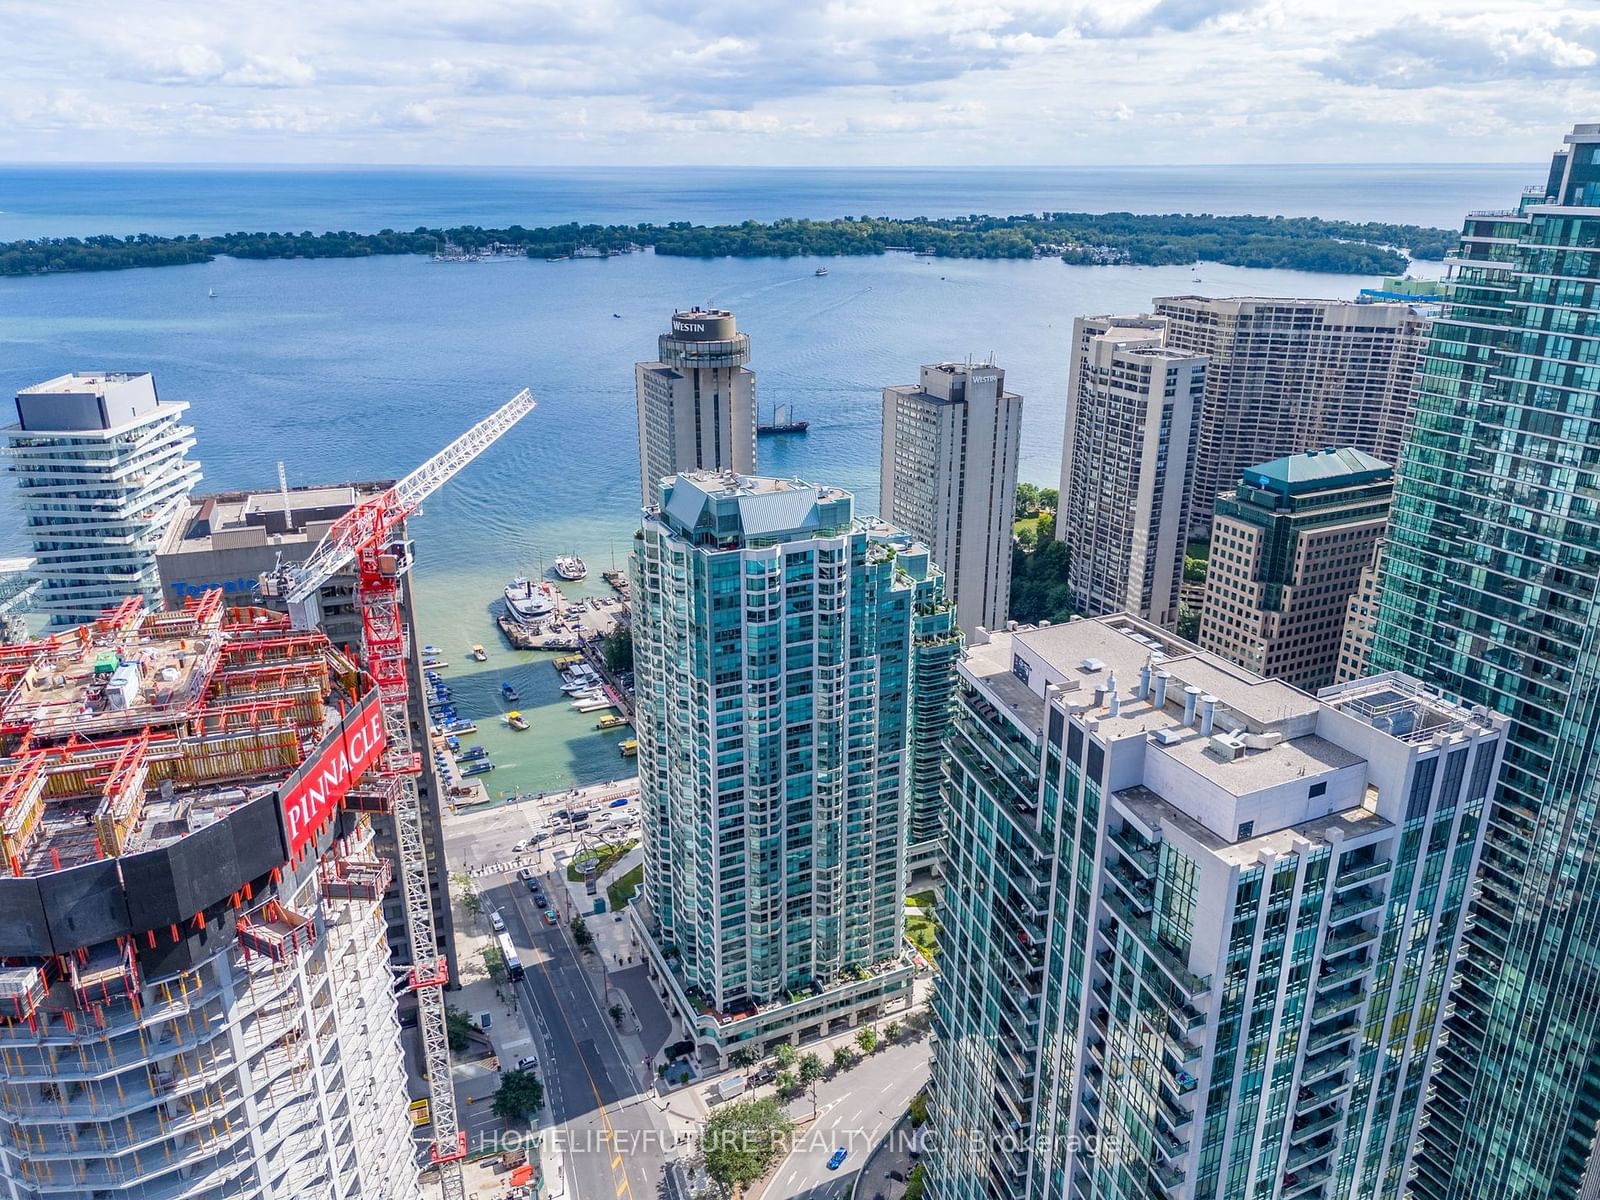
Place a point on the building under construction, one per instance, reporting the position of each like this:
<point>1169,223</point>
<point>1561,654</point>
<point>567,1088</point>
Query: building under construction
<point>195,991</point>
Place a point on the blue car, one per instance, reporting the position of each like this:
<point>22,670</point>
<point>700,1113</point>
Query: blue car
<point>618,802</point>
<point>838,1158</point>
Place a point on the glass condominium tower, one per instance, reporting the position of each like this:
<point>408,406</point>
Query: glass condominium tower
<point>1195,925</point>
<point>794,669</point>
<point>1493,566</point>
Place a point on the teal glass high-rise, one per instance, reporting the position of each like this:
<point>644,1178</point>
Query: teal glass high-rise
<point>795,669</point>
<point>1490,594</point>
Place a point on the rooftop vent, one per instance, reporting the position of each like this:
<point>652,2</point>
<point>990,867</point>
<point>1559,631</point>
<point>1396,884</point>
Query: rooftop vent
<point>1093,664</point>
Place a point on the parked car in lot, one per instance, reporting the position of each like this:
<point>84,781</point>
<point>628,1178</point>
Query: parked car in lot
<point>527,1063</point>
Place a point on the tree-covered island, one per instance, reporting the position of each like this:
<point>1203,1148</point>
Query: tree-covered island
<point>1298,243</point>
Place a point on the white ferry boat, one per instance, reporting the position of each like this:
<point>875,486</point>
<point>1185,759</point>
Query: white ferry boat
<point>572,568</point>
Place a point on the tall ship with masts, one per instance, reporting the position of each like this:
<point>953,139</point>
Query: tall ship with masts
<point>782,422</point>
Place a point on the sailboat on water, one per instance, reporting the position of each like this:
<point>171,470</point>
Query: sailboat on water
<point>782,422</point>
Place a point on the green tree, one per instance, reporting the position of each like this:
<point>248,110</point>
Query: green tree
<point>494,962</point>
<point>580,933</point>
<point>519,1096</point>
<point>743,1139</point>
<point>845,1057</point>
<point>867,1039</point>
<point>785,1054</point>
<point>1049,498</point>
<point>785,1083</point>
<point>914,1184</point>
<point>744,1056</point>
<point>616,1013</point>
<point>891,1031</point>
<point>918,1110</point>
<point>470,900</point>
<point>811,1069</point>
<point>1027,538</point>
<point>1027,500</point>
<point>458,1029</point>
<point>618,649</point>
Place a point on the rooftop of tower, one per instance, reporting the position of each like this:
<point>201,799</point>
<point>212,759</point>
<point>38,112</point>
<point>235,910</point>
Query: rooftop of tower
<point>724,508</point>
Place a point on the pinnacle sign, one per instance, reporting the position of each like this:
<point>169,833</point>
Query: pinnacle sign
<point>318,787</point>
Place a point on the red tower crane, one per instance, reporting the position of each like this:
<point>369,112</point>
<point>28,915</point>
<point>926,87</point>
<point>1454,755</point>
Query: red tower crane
<point>370,536</point>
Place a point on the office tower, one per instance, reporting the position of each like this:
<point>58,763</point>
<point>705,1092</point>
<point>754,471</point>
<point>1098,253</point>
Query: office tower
<point>1360,620</point>
<point>781,719</point>
<point>101,471</point>
<point>1133,413</point>
<point>1192,945</point>
<point>227,541</point>
<point>949,478</point>
<point>697,402</point>
<point>1489,589</point>
<point>195,997</point>
<point>1291,375</point>
<point>1288,546</point>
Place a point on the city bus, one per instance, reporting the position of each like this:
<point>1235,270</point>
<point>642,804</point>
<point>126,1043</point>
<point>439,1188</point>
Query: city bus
<point>509,953</point>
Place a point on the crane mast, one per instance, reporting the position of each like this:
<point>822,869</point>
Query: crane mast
<point>369,537</point>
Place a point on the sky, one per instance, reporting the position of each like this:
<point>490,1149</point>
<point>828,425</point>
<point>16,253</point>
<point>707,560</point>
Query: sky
<point>794,82</point>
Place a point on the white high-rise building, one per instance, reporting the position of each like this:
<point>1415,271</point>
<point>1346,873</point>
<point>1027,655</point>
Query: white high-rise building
<point>949,477</point>
<point>794,670</point>
<point>697,402</point>
<point>101,470</point>
<point>1133,417</point>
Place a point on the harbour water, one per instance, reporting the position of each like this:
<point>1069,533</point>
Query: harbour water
<point>360,368</point>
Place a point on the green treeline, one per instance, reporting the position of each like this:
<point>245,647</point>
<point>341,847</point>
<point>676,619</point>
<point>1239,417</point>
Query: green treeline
<point>1300,243</point>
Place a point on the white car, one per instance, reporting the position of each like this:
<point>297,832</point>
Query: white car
<point>497,922</point>
<point>524,844</point>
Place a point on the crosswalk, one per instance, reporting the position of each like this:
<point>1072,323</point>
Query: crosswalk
<point>500,868</point>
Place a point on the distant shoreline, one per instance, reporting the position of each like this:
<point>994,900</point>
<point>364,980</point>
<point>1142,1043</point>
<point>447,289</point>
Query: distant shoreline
<point>1291,243</point>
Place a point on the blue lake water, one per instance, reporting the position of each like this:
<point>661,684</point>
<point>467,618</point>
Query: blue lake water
<point>358,369</point>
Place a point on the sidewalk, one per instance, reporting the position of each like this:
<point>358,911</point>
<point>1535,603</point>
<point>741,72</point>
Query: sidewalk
<point>476,1080</point>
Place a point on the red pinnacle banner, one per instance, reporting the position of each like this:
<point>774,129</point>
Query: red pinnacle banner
<point>322,782</point>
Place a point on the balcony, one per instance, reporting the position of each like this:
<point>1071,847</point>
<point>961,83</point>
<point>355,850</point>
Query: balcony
<point>1319,1042</point>
<point>1304,1156</point>
<point>1310,1099</point>
<point>1353,906</point>
<point>1305,1183</point>
<point>1320,1125</point>
<point>1348,879</point>
<point>1136,890</point>
<point>1330,1005</point>
<point>1192,985</point>
<point>1347,942</point>
<point>1343,974</point>
<point>1142,858</point>
<point>1322,1066</point>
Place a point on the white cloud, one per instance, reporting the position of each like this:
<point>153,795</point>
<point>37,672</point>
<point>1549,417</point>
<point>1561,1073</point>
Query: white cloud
<point>871,81</point>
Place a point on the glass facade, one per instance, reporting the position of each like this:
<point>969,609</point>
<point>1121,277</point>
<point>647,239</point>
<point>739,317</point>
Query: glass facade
<point>793,670</point>
<point>1490,592</point>
<point>1183,964</point>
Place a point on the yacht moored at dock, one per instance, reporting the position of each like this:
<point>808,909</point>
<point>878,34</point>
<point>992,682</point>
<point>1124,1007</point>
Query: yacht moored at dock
<point>571,568</point>
<point>529,602</point>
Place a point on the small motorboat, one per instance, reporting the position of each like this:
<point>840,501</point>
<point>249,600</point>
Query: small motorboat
<point>430,650</point>
<point>482,767</point>
<point>516,720</point>
<point>610,721</point>
<point>508,692</point>
<point>480,654</point>
<point>630,748</point>
<point>472,754</point>
<point>434,662</point>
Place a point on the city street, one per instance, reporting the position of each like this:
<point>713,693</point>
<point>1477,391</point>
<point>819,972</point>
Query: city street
<point>854,1110</point>
<point>612,1141</point>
